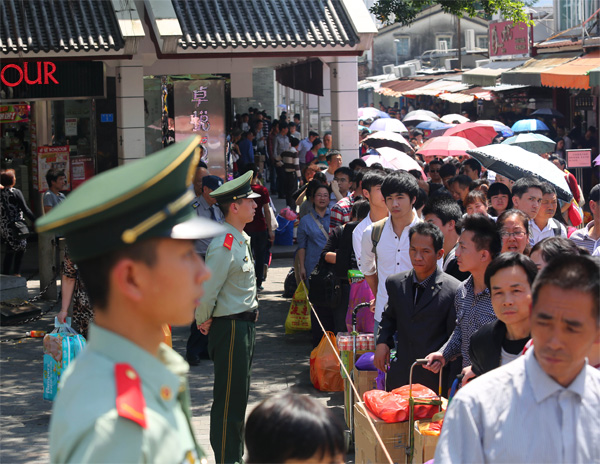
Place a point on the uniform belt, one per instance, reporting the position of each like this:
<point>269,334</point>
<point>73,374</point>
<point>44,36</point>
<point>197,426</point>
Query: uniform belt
<point>249,316</point>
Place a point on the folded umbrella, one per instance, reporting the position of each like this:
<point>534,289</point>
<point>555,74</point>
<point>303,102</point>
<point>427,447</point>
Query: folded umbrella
<point>514,162</point>
<point>371,113</point>
<point>417,116</point>
<point>389,139</point>
<point>446,146</point>
<point>389,125</point>
<point>433,125</point>
<point>479,134</point>
<point>529,125</point>
<point>552,113</point>
<point>454,119</point>
<point>535,143</point>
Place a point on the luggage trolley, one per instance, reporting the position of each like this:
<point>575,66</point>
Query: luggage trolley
<point>412,402</point>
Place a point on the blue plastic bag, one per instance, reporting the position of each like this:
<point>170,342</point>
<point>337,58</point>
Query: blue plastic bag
<point>61,346</point>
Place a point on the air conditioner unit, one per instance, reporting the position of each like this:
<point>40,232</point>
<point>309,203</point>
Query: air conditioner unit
<point>451,63</point>
<point>443,46</point>
<point>415,63</point>
<point>405,71</point>
<point>470,39</point>
<point>480,63</point>
<point>388,69</point>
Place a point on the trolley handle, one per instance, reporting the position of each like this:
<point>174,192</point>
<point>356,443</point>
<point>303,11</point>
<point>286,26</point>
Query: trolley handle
<point>355,311</point>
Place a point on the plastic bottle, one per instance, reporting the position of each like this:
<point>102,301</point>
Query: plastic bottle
<point>36,333</point>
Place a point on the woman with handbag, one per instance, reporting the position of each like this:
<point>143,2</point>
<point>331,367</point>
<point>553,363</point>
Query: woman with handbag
<point>13,228</point>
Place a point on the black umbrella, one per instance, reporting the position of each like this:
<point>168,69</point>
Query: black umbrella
<point>549,112</point>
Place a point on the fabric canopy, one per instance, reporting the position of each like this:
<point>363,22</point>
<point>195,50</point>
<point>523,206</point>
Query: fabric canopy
<point>594,75</point>
<point>572,75</point>
<point>306,77</point>
<point>487,74</point>
<point>530,72</point>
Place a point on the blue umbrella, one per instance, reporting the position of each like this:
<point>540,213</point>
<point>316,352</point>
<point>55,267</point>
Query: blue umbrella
<point>529,125</point>
<point>433,125</point>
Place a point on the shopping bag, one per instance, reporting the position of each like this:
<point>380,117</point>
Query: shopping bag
<point>298,318</point>
<point>365,319</point>
<point>393,406</point>
<point>61,346</point>
<point>325,367</point>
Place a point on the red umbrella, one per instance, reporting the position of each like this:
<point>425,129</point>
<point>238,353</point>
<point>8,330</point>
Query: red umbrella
<point>446,146</point>
<point>479,134</point>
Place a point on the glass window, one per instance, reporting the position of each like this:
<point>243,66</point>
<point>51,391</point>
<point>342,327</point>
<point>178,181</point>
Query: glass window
<point>482,41</point>
<point>402,46</point>
<point>441,39</point>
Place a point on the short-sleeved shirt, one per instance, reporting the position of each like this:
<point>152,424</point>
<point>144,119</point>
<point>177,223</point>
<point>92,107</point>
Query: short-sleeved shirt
<point>341,212</point>
<point>203,209</point>
<point>357,234</point>
<point>259,224</point>
<point>52,199</point>
<point>582,238</point>
<point>553,229</point>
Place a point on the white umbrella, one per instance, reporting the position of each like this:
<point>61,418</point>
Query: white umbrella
<point>388,139</point>
<point>371,113</point>
<point>417,116</point>
<point>391,158</point>
<point>514,162</point>
<point>454,119</point>
<point>389,125</point>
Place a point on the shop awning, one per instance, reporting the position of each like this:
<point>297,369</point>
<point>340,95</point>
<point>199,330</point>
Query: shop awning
<point>401,87</point>
<point>438,87</point>
<point>530,72</point>
<point>487,74</point>
<point>572,75</point>
<point>594,77</point>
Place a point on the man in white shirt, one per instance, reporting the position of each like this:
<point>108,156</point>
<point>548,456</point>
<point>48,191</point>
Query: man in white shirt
<point>390,254</point>
<point>543,406</point>
<point>544,225</point>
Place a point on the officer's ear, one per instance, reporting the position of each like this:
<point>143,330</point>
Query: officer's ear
<point>128,279</point>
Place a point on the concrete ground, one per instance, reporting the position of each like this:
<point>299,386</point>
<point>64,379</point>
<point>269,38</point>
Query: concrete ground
<point>281,362</point>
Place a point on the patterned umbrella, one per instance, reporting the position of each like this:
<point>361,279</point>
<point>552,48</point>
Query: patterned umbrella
<point>433,125</point>
<point>446,146</point>
<point>415,117</point>
<point>391,158</point>
<point>388,125</point>
<point>389,139</point>
<point>535,143</point>
<point>529,125</point>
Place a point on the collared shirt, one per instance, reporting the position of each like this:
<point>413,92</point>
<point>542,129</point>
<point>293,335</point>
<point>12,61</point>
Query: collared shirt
<point>232,287</point>
<point>341,212</point>
<point>581,237</point>
<point>472,312</point>
<point>357,234</point>
<point>392,257</point>
<point>281,144</point>
<point>203,209</point>
<point>246,151</point>
<point>303,148</point>
<point>536,235</point>
<point>311,238</point>
<point>85,425</point>
<point>419,287</point>
<point>519,414</point>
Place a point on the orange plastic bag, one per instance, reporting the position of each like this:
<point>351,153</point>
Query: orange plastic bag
<point>393,406</point>
<point>431,428</point>
<point>325,367</point>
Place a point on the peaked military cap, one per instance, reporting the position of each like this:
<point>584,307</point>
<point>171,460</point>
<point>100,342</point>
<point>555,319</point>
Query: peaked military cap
<point>146,198</point>
<point>235,189</point>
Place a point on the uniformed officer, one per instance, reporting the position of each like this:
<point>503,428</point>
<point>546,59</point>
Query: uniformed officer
<point>228,313</point>
<point>131,231</point>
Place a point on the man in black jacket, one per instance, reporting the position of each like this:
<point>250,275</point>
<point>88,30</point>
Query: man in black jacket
<point>420,308</point>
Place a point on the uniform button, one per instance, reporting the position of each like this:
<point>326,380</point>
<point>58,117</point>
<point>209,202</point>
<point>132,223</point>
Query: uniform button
<point>165,393</point>
<point>132,375</point>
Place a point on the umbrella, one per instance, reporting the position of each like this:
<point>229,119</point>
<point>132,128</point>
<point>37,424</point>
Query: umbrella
<point>433,125</point>
<point>389,139</point>
<point>529,125</point>
<point>499,126</point>
<point>535,143</point>
<point>479,134</point>
<point>446,146</point>
<point>514,162</point>
<point>371,113</point>
<point>362,128</point>
<point>548,112</point>
<point>391,158</point>
<point>415,117</point>
<point>389,125</point>
<point>454,119</point>
<point>597,161</point>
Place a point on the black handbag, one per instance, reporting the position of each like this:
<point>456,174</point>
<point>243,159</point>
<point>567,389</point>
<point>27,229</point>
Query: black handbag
<point>323,286</point>
<point>20,229</point>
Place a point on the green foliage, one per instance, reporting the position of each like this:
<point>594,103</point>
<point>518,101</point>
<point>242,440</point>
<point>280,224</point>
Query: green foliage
<point>405,11</point>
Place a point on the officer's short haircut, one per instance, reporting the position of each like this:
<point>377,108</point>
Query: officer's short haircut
<point>445,209</point>
<point>399,182</point>
<point>473,164</point>
<point>447,170</point>
<point>331,154</point>
<point>485,235</point>
<point>95,272</point>
<point>570,272</point>
<point>521,186</point>
<point>547,188</point>
<point>508,260</point>
<point>52,176</point>
<point>224,205</point>
<point>462,180</point>
<point>427,229</point>
<point>345,171</point>
<point>372,178</point>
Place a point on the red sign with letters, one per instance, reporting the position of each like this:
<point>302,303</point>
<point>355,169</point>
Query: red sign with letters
<point>508,38</point>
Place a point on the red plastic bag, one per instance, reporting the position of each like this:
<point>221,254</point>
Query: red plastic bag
<point>393,406</point>
<point>325,367</point>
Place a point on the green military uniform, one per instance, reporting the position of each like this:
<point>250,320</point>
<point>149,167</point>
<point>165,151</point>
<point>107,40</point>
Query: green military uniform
<point>118,402</point>
<point>230,299</point>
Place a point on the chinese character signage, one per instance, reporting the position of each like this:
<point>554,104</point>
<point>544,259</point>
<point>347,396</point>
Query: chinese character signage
<point>579,158</point>
<point>50,158</point>
<point>82,169</point>
<point>14,113</point>
<point>508,38</point>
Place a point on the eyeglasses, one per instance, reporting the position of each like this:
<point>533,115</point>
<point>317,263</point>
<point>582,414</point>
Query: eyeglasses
<point>340,179</point>
<point>517,234</point>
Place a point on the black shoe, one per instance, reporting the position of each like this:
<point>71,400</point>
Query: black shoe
<point>193,360</point>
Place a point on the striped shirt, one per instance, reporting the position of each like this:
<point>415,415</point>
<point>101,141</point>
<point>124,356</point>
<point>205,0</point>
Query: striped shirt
<point>291,162</point>
<point>582,238</point>
<point>472,312</point>
<point>341,212</point>
<point>517,413</point>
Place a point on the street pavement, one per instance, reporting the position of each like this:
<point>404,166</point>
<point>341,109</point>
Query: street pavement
<point>281,362</point>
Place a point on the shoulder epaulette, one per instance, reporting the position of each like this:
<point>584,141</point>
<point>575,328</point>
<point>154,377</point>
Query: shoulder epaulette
<point>130,399</point>
<point>228,241</point>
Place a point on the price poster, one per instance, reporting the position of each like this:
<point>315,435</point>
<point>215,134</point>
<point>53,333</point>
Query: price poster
<point>51,158</point>
<point>82,169</point>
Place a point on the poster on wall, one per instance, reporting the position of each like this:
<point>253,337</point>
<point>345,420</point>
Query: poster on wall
<point>82,169</point>
<point>70,127</point>
<point>51,158</point>
<point>14,113</point>
<point>200,109</point>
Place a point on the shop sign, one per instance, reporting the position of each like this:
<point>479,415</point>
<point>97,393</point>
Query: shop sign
<point>14,113</point>
<point>508,38</point>
<point>43,80</point>
<point>82,169</point>
<point>579,158</point>
<point>51,158</point>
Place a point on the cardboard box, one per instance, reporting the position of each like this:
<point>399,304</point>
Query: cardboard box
<point>364,381</point>
<point>368,449</point>
<point>424,444</point>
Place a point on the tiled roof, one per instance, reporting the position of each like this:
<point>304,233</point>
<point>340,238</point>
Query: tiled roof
<point>28,26</point>
<point>263,23</point>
